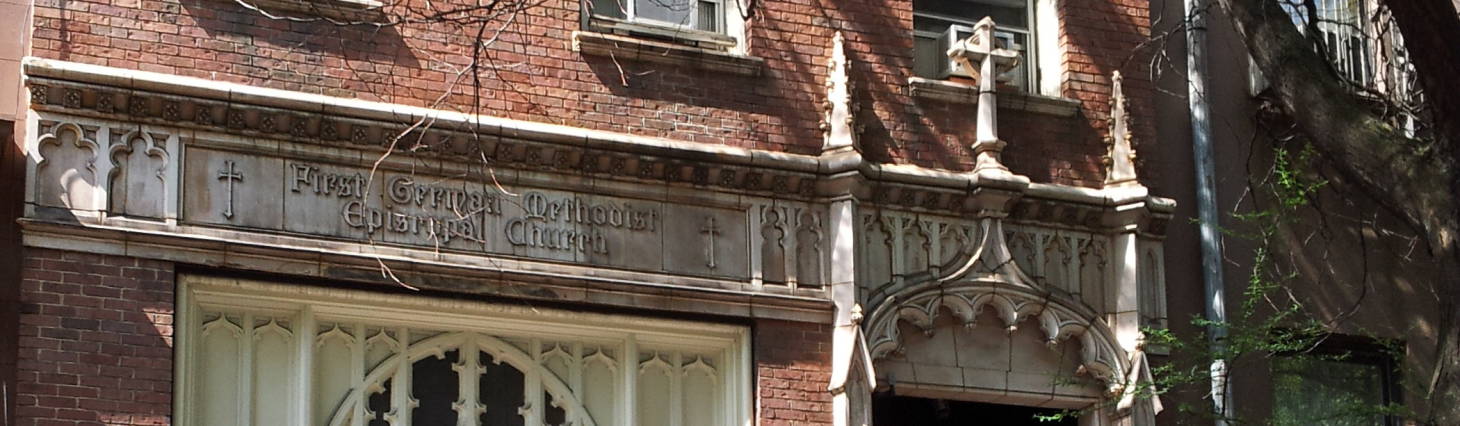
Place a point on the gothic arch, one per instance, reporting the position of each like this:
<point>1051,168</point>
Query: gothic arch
<point>990,277</point>
<point>1101,357</point>
<point>562,395</point>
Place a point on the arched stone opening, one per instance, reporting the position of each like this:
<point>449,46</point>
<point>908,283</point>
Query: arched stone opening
<point>993,343</point>
<point>987,363</point>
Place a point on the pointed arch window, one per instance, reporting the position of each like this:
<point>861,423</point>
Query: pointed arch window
<point>278,354</point>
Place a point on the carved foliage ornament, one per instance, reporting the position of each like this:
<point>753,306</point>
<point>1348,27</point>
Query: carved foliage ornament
<point>990,276</point>
<point>1100,356</point>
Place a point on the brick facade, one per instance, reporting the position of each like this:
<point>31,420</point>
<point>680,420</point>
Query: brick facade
<point>536,76</point>
<point>793,367</point>
<point>95,334</point>
<point>95,340</point>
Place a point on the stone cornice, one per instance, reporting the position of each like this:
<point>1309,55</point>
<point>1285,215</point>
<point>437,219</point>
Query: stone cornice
<point>946,91</point>
<point>423,268</point>
<point>140,96</point>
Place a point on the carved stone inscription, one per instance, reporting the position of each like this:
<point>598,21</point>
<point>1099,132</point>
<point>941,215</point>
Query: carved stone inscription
<point>554,223</point>
<point>415,209</point>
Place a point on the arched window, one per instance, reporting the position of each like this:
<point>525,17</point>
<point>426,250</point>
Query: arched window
<point>291,355</point>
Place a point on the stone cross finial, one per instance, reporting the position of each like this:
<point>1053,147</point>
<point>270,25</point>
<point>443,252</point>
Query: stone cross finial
<point>1120,157</point>
<point>838,124</point>
<point>983,49</point>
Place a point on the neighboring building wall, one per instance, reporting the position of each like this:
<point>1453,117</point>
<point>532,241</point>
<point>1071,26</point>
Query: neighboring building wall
<point>1356,268</point>
<point>14,40</point>
<point>95,340</point>
<point>12,169</point>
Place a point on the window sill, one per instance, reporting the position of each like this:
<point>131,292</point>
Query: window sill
<point>945,91</point>
<point>683,36</point>
<point>636,49</point>
<point>337,10</point>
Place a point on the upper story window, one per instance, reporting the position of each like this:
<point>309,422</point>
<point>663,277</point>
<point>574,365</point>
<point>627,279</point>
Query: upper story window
<point>706,23</point>
<point>1366,50</point>
<point>938,24</point>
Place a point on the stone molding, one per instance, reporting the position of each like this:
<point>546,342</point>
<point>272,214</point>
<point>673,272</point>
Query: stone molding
<point>371,127</point>
<point>783,195</point>
<point>424,268</point>
<point>1101,357</point>
<point>624,48</point>
<point>947,91</point>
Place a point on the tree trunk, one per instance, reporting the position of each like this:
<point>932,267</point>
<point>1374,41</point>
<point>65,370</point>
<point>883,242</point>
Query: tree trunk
<point>1415,180</point>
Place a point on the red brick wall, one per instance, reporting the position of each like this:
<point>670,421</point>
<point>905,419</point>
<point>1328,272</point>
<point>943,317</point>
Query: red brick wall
<point>537,77</point>
<point>1099,38</point>
<point>96,347</point>
<point>95,340</point>
<point>793,367</point>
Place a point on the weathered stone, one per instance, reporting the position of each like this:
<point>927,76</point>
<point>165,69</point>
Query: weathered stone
<point>707,241</point>
<point>138,178</point>
<point>233,189</point>
<point>66,171</point>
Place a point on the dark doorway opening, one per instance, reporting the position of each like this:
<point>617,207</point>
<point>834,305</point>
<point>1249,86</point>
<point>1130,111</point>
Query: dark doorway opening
<point>891,410</point>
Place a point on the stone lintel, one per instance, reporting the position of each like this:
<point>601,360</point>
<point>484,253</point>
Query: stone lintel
<point>430,270</point>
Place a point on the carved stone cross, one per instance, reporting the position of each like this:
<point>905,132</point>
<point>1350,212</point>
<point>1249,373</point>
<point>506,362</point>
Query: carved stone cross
<point>710,230</point>
<point>229,174</point>
<point>992,60</point>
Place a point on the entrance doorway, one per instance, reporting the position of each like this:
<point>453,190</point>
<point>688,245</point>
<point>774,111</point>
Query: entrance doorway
<point>892,410</point>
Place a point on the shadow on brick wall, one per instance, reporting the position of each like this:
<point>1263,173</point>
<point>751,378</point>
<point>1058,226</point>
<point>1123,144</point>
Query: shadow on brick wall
<point>95,340</point>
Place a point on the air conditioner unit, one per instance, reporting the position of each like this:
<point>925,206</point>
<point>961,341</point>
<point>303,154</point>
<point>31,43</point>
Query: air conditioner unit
<point>949,67</point>
<point>958,32</point>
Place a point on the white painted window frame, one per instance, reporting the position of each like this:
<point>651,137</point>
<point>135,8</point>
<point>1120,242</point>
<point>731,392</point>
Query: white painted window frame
<point>730,35</point>
<point>1042,61</point>
<point>308,305</point>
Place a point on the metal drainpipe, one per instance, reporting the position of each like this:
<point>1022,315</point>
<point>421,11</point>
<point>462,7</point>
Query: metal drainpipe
<point>1206,203</point>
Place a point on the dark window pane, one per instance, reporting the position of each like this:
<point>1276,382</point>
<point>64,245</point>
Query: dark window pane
<point>379,406</point>
<point>501,392</point>
<point>708,18</point>
<point>553,416</point>
<point>1006,13</point>
<point>890,410</point>
<point>610,8</point>
<point>435,385</point>
<point>927,57</point>
<point>1310,390</point>
<point>670,11</point>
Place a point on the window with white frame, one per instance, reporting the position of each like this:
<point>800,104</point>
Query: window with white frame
<point>1360,40</point>
<point>260,353</point>
<point>709,23</point>
<point>938,24</point>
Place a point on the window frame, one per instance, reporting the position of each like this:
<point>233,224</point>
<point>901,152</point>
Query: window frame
<point>729,36</point>
<point>1362,351</point>
<point>305,306</point>
<point>1384,64</point>
<point>1030,29</point>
